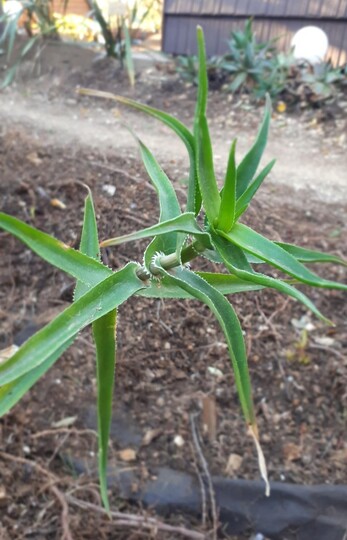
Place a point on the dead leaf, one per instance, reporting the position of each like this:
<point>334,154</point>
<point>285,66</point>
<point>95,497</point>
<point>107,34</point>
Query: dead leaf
<point>234,464</point>
<point>57,203</point>
<point>179,374</point>
<point>209,417</point>
<point>291,452</point>
<point>34,158</point>
<point>5,354</point>
<point>3,496</point>
<point>128,454</point>
<point>65,422</point>
<point>150,436</point>
<point>340,457</point>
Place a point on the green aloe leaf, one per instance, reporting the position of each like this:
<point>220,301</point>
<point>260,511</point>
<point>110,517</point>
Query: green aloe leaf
<point>236,262</point>
<point>184,223</point>
<point>169,205</point>
<point>104,333</point>
<point>248,194</point>
<point>273,254</point>
<point>100,300</point>
<point>237,82</point>
<point>310,256</point>
<point>193,197</point>
<point>206,176</point>
<point>226,216</point>
<point>89,244</point>
<point>79,266</point>
<point>248,166</point>
<point>12,25</point>
<point>214,256</point>
<point>178,127</point>
<point>13,391</point>
<point>223,283</point>
<point>227,318</point>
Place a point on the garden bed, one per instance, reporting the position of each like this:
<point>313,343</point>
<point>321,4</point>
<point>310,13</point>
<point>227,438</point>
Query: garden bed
<point>172,362</point>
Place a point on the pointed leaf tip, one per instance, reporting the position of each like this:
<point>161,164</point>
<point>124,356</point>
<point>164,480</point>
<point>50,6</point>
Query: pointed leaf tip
<point>226,215</point>
<point>249,165</point>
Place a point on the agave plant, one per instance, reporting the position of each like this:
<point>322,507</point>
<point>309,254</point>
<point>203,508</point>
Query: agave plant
<point>247,61</point>
<point>176,239</point>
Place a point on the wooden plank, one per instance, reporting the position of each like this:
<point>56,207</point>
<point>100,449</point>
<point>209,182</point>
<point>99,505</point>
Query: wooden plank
<point>297,8</point>
<point>342,9</point>
<point>272,8</point>
<point>330,9</point>
<point>170,6</point>
<point>276,8</point>
<point>228,7</point>
<point>257,8</point>
<point>179,30</point>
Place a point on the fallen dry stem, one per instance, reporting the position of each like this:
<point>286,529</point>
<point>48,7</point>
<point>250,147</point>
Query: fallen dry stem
<point>51,486</point>
<point>133,520</point>
<point>59,431</point>
<point>120,519</point>
<point>206,473</point>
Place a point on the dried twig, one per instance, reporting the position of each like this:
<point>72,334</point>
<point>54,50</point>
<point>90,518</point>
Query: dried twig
<point>65,513</point>
<point>58,431</point>
<point>121,519</point>
<point>202,490</point>
<point>327,349</point>
<point>204,465</point>
<point>51,486</point>
<point>133,520</point>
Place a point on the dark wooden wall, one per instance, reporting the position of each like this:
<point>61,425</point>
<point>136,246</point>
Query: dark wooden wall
<point>272,18</point>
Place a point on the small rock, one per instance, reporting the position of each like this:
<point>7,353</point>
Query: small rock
<point>215,372</point>
<point>178,441</point>
<point>160,402</point>
<point>109,189</point>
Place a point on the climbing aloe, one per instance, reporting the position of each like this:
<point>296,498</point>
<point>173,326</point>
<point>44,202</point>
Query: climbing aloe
<point>177,238</point>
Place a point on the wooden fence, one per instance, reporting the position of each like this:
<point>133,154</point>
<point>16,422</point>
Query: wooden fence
<point>272,19</point>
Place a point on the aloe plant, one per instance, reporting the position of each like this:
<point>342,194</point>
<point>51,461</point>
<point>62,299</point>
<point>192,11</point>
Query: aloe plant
<point>176,239</point>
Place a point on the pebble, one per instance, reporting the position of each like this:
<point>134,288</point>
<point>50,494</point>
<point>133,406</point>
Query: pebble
<point>178,441</point>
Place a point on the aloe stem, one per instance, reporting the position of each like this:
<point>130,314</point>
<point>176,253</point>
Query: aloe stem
<point>171,261</point>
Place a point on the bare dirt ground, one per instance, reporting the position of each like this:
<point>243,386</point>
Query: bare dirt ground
<point>49,139</point>
<point>307,156</point>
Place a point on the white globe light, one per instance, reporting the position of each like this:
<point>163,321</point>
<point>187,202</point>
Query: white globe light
<point>310,43</point>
